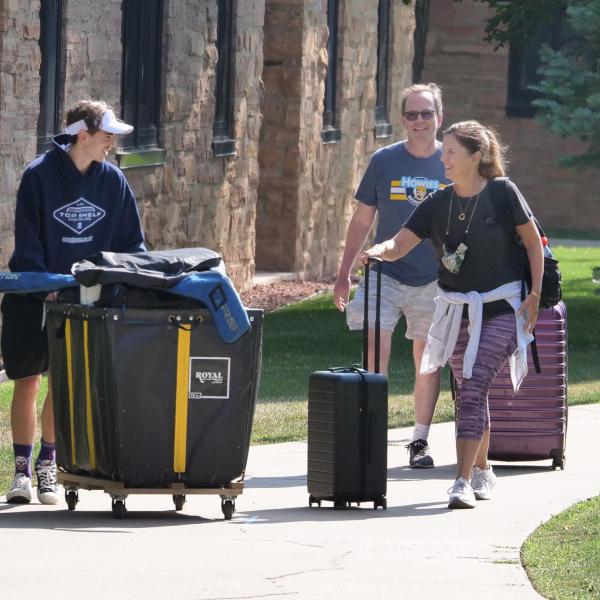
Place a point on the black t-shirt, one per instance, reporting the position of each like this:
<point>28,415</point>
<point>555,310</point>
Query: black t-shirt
<point>493,257</point>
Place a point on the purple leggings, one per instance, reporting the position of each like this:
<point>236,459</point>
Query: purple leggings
<point>498,341</point>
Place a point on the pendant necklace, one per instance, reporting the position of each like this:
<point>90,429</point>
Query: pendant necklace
<point>461,214</point>
<point>453,260</point>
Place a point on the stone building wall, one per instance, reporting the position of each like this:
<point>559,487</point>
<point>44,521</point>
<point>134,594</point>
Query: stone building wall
<point>92,51</point>
<point>474,81</point>
<point>192,200</point>
<point>19,105</point>
<point>197,199</point>
<point>306,187</point>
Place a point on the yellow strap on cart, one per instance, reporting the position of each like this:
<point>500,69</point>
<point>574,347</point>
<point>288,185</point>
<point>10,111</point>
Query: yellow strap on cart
<point>88,398</point>
<point>70,386</point>
<point>181,398</point>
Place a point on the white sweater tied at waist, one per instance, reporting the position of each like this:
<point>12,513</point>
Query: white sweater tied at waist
<point>445,328</point>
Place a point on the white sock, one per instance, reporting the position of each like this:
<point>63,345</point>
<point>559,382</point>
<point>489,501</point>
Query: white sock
<point>420,432</point>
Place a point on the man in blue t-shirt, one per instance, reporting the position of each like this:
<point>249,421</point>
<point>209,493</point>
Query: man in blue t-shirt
<point>397,179</point>
<point>71,204</point>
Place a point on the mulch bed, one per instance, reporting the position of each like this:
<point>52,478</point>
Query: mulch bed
<point>271,296</point>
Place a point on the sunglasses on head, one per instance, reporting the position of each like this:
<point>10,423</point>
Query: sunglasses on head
<point>413,115</point>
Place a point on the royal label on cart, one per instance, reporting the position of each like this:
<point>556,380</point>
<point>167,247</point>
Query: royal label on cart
<point>209,378</point>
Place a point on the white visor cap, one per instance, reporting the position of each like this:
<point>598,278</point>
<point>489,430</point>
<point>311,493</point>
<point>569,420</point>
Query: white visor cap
<point>109,123</point>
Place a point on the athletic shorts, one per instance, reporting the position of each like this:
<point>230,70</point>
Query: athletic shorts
<point>397,299</point>
<point>24,342</point>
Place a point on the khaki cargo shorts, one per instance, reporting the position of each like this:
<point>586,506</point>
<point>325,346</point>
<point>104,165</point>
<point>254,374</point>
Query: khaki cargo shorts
<point>397,299</point>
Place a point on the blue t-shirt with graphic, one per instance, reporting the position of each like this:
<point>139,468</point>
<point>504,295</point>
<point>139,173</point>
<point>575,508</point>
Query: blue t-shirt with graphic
<point>396,182</point>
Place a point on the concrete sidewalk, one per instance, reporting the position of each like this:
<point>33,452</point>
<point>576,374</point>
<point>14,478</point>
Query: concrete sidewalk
<point>276,546</point>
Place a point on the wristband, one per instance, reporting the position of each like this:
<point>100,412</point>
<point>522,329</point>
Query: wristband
<point>536,295</point>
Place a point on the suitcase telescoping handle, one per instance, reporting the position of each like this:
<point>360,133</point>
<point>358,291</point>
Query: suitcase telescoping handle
<point>377,262</point>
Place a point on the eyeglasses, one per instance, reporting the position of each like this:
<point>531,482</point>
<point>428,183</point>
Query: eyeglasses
<point>413,115</point>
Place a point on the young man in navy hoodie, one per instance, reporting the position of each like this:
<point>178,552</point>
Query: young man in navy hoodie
<point>71,204</point>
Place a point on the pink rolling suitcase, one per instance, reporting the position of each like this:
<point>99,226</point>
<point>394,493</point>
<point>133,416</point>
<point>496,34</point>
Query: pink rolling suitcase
<point>531,424</point>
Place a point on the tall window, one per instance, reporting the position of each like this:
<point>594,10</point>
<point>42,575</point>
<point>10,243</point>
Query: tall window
<point>420,37</point>
<point>223,142</point>
<point>140,86</point>
<point>523,63</point>
<point>51,48</point>
<point>331,132</point>
<point>383,127</point>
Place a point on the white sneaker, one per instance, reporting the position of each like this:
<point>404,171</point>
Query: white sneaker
<point>20,490</point>
<point>461,495</point>
<point>47,488</point>
<point>482,482</point>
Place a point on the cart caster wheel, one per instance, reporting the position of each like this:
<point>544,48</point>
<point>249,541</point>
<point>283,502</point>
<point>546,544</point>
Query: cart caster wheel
<point>558,463</point>
<point>312,500</point>
<point>72,498</point>
<point>118,509</point>
<point>340,505</point>
<point>179,501</point>
<point>228,508</point>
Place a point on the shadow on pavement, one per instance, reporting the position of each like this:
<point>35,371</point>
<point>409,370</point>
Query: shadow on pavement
<point>276,481</point>
<point>95,521</point>
<point>509,469</point>
<point>442,472</point>
<point>327,513</point>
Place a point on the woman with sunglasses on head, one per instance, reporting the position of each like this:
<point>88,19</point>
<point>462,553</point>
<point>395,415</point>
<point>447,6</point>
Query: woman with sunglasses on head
<point>480,319</point>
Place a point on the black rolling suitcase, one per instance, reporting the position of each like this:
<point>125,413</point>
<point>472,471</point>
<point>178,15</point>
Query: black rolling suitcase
<point>347,428</point>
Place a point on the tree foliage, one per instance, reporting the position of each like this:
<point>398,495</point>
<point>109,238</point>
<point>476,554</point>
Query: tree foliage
<point>570,77</point>
<point>512,22</point>
<point>570,84</point>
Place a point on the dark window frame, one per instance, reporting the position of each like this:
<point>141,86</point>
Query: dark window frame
<point>141,37</point>
<point>523,62</point>
<point>51,48</point>
<point>223,140</point>
<point>331,133</point>
<point>422,10</point>
<point>383,127</point>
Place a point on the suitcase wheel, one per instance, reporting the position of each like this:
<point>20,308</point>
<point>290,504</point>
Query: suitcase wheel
<point>179,501</point>
<point>312,500</point>
<point>72,498</point>
<point>118,508</point>
<point>381,501</point>
<point>341,504</point>
<point>228,508</point>
<point>558,463</point>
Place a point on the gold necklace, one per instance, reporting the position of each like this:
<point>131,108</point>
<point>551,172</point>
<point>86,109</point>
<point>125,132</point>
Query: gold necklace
<point>461,214</point>
<point>462,211</point>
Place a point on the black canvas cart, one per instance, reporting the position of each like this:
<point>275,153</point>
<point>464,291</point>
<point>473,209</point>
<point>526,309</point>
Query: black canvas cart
<point>151,401</point>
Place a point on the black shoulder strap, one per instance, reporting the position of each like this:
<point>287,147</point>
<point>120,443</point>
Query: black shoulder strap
<point>499,192</point>
<point>534,354</point>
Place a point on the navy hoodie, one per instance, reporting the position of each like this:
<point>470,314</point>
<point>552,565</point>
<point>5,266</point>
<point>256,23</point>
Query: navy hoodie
<point>63,216</point>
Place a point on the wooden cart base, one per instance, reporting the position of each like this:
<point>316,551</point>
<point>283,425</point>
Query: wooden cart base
<point>118,492</point>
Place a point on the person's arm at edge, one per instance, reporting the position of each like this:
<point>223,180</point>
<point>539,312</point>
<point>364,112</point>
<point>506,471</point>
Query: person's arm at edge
<point>29,253</point>
<point>535,254</point>
<point>393,249</point>
<point>358,230</point>
<point>130,237</point>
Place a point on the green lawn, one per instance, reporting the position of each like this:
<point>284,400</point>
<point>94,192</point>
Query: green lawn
<point>6,455</point>
<point>312,335</point>
<point>562,556</point>
<point>571,234</point>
